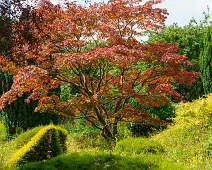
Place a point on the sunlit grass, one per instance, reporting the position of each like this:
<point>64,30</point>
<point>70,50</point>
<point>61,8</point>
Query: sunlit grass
<point>188,141</point>
<point>102,160</point>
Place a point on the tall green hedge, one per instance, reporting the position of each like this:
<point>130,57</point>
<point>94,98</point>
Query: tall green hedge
<point>206,61</point>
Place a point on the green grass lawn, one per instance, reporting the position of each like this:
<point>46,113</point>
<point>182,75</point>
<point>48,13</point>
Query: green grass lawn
<point>101,160</point>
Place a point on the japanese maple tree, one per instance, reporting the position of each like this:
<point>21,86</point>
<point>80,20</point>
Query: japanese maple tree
<point>53,49</point>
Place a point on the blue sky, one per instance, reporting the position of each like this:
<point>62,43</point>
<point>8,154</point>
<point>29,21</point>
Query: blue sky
<point>180,11</point>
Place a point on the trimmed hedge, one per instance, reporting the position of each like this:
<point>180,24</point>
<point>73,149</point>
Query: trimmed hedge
<point>47,143</point>
<point>25,137</point>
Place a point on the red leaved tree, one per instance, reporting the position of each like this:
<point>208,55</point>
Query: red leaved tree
<point>53,48</point>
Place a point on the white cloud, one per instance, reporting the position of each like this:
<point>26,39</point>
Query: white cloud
<point>181,11</point>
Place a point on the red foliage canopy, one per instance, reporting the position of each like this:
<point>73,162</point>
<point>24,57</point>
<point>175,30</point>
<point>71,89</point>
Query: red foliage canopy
<point>95,49</point>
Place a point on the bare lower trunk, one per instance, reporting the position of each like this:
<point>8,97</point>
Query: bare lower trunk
<point>109,130</point>
<point>115,129</point>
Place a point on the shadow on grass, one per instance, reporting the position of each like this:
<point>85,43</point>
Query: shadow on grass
<point>100,161</point>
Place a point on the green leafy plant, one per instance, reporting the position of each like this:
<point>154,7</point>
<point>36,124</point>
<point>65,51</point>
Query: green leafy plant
<point>48,142</point>
<point>164,113</point>
<point>194,41</point>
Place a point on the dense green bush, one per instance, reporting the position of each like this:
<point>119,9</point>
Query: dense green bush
<point>138,146</point>
<point>165,113</point>
<point>194,41</point>
<point>25,137</point>
<point>145,129</point>
<point>48,142</point>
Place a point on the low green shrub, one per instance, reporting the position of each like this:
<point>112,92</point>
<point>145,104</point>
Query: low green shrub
<point>47,143</point>
<point>197,112</point>
<point>85,137</point>
<point>88,138</point>
<point>79,127</point>
<point>88,141</point>
<point>138,146</point>
<point>145,130</point>
<point>25,137</point>
<point>163,112</point>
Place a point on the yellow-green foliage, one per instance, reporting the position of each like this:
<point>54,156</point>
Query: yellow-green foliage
<point>25,137</point>
<point>48,142</point>
<point>2,123</point>
<point>196,112</point>
<point>188,141</point>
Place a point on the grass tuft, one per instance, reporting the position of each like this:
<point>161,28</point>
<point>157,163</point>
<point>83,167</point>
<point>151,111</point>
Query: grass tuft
<point>138,146</point>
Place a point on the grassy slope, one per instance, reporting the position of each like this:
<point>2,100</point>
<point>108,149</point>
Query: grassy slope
<point>189,141</point>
